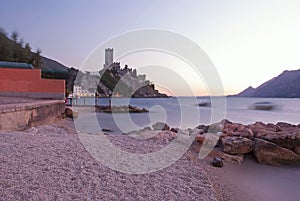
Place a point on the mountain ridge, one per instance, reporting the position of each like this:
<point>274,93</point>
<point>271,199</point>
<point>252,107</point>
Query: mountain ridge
<point>285,85</point>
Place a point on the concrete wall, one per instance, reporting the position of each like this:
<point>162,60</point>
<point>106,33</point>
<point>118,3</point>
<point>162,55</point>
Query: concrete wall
<point>28,83</point>
<point>25,115</point>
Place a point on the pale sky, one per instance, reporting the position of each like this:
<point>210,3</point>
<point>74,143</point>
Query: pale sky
<point>249,42</point>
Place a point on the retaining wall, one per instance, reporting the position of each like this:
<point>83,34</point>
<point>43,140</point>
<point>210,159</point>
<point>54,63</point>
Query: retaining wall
<point>28,83</point>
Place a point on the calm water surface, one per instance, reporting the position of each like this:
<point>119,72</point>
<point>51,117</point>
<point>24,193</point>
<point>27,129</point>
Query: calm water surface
<point>184,112</point>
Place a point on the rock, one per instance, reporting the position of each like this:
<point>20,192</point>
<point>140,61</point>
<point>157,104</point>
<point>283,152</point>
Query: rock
<point>147,128</point>
<point>237,145</point>
<point>195,131</point>
<point>235,159</point>
<point>160,126</point>
<point>165,136</point>
<point>282,139</point>
<point>199,138</point>
<point>297,149</point>
<point>272,154</point>
<point>284,124</point>
<point>261,133</point>
<point>211,139</point>
<point>215,128</point>
<point>203,127</point>
<point>217,162</point>
<point>246,132</point>
<point>68,112</point>
<point>273,127</point>
<point>106,130</point>
<point>175,130</point>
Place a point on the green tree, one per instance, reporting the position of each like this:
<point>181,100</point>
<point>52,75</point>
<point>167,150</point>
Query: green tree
<point>37,59</point>
<point>27,53</point>
<point>14,36</point>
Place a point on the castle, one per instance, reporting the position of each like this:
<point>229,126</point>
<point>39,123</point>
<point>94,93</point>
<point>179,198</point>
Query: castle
<point>109,58</point>
<point>128,81</point>
<point>116,66</point>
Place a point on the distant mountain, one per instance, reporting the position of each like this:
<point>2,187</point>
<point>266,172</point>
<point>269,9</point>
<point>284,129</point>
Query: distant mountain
<point>286,85</point>
<point>49,64</point>
<point>247,92</point>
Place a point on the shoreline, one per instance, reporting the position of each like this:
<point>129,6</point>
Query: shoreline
<point>49,162</point>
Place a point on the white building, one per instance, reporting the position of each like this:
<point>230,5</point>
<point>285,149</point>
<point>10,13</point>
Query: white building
<point>79,91</point>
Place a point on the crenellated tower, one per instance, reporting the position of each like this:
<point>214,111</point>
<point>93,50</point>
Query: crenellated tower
<point>109,58</point>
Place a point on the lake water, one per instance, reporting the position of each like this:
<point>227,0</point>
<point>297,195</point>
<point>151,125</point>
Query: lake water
<point>184,112</point>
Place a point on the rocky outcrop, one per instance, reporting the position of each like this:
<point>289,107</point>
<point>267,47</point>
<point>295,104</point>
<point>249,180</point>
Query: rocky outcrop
<point>269,153</point>
<point>237,145</point>
<point>161,126</point>
<point>124,82</point>
<point>273,144</point>
<point>119,109</point>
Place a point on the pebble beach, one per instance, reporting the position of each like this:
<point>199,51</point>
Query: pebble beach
<point>49,163</point>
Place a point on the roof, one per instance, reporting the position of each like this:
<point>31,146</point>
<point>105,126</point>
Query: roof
<point>6,64</point>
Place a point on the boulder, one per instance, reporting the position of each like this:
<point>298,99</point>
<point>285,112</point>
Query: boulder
<point>261,133</point>
<point>215,128</point>
<point>174,130</point>
<point>217,162</point>
<point>297,149</point>
<point>195,131</point>
<point>237,145</point>
<point>147,128</point>
<point>160,126</point>
<point>235,159</point>
<point>68,112</point>
<point>199,138</point>
<point>269,153</point>
<point>282,139</point>
<point>203,127</point>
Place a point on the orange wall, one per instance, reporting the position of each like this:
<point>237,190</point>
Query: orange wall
<point>28,81</point>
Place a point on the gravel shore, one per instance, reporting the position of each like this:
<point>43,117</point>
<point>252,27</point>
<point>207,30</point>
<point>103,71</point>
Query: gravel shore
<point>50,163</point>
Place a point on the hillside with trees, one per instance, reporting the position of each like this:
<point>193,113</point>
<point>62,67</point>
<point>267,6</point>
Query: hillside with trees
<point>14,49</point>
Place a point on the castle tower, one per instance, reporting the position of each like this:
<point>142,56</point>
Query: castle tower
<point>109,57</point>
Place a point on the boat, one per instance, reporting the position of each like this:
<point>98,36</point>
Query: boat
<point>204,103</point>
<point>264,105</point>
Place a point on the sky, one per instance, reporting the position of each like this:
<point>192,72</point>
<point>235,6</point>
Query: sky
<point>249,42</point>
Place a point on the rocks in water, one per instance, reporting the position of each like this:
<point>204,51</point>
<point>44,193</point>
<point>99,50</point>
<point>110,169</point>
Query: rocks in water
<point>160,126</point>
<point>286,140</point>
<point>106,130</point>
<point>237,145</point>
<point>217,162</point>
<point>174,130</point>
<point>274,144</point>
<point>119,109</point>
<point>269,153</point>
<point>68,113</point>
